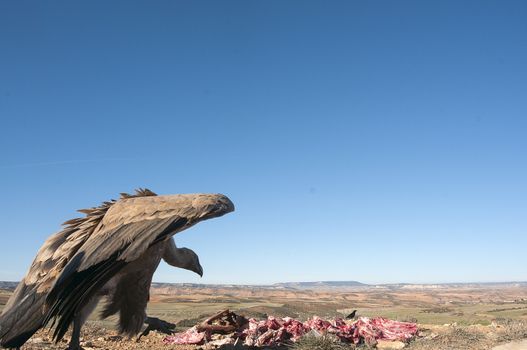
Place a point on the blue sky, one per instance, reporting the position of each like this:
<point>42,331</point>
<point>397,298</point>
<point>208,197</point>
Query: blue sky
<point>379,141</point>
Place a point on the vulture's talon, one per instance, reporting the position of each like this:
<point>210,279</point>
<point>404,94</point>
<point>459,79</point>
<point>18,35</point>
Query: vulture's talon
<point>74,347</point>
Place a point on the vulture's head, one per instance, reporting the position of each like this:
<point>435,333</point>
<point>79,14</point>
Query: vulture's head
<point>190,261</point>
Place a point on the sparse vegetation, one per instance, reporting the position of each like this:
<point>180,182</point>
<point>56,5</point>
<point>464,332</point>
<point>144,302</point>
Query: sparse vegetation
<point>453,338</point>
<point>437,310</point>
<point>320,343</point>
<point>511,329</point>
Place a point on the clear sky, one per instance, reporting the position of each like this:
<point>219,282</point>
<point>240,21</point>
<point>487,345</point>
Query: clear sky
<point>378,141</point>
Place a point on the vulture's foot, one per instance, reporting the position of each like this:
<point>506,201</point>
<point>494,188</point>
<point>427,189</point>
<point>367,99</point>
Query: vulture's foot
<point>74,347</point>
<point>156,324</point>
<point>74,343</point>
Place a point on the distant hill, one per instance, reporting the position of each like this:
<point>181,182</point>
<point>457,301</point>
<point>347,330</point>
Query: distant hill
<point>473,285</point>
<point>204,285</point>
<point>172,288</point>
<point>168,288</point>
<point>321,284</point>
<point>8,285</point>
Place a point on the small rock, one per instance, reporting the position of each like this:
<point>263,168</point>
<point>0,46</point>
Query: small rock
<point>432,336</point>
<point>515,345</point>
<point>314,333</point>
<point>332,337</point>
<point>390,345</point>
<point>222,341</point>
<point>36,340</point>
<point>114,338</point>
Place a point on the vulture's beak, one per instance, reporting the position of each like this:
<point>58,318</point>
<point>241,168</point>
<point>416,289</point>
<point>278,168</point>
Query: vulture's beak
<point>199,270</point>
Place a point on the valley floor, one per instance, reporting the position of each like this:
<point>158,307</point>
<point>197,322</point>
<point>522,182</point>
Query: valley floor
<point>449,318</point>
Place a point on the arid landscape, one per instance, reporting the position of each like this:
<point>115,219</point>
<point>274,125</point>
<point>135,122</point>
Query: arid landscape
<point>316,172</point>
<point>450,316</point>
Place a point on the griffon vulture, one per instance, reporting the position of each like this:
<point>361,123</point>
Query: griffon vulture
<point>113,251</point>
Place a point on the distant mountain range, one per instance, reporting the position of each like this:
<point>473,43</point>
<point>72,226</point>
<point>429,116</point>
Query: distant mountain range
<point>172,287</point>
<point>8,285</point>
<point>452,285</point>
<point>321,284</point>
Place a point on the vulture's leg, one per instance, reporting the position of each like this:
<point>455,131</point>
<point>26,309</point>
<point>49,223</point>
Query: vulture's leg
<point>78,322</point>
<point>178,257</point>
<point>75,336</point>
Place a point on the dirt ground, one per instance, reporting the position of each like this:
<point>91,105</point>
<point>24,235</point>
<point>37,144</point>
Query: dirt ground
<point>448,318</point>
<point>431,337</point>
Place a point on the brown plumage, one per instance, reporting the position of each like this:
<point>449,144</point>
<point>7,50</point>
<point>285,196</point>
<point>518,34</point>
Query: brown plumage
<point>113,251</point>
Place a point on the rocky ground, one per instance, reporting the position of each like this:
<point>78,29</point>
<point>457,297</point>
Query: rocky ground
<point>473,337</point>
<point>431,337</point>
<point>96,337</point>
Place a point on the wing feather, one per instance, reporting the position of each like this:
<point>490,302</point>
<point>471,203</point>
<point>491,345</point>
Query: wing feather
<point>26,309</point>
<point>101,257</point>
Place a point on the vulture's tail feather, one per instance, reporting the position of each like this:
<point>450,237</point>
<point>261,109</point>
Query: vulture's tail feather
<point>20,321</point>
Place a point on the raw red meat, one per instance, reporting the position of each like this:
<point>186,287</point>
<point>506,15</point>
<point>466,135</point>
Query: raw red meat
<point>190,336</point>
<point>275,331</point>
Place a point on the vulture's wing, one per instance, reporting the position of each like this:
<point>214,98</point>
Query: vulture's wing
<point>126,231</point>
<point>25,310</point>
